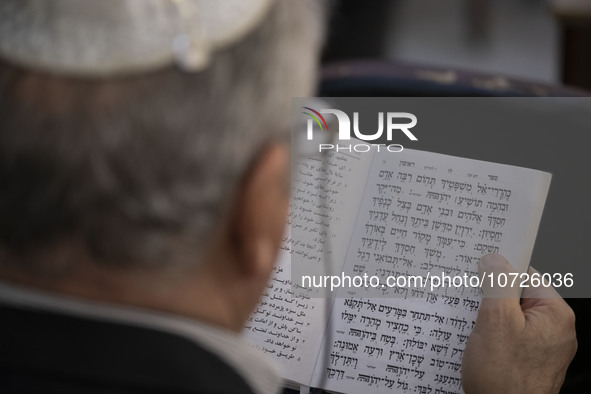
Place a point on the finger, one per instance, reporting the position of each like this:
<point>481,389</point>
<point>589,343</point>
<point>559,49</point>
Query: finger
<point>495,297</point>
<point>548,304</point>
<point>539,290</point>
<point>494,269</point>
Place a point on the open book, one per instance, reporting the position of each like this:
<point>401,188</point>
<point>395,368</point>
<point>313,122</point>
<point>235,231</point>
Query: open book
<point>391,215</point>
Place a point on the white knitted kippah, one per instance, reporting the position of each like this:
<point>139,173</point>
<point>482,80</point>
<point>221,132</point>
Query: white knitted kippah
<point>114,37</point>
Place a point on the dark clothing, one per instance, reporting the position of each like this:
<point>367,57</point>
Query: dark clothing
<point>46,352</point>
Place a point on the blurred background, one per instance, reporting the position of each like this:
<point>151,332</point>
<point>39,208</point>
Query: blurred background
<point>545,41</point>
<point>514,37</point>
<point>468,48</point>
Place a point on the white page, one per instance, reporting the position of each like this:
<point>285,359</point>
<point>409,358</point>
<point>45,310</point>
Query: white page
<point>287,327</point>
<point>439,213</point>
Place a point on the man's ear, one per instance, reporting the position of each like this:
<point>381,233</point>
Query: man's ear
<point>260,211</point>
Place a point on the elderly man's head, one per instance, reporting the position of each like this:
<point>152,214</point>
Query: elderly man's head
<point>153,171</point>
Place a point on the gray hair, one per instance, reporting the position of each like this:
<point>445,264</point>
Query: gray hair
<point>142,168</point>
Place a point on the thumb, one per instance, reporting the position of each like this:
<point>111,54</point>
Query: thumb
<point>498,296</point>
<point>538,290</point>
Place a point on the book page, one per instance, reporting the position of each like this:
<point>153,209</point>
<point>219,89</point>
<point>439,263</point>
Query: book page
<point>284,327</point>
<point>289,327</point>
<point>424,214</point>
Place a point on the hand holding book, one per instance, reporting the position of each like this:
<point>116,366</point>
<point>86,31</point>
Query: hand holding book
<point>518,348</point>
